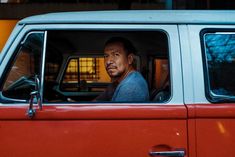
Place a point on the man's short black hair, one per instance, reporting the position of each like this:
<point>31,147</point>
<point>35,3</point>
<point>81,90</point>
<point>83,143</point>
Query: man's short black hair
<point>128,46</point>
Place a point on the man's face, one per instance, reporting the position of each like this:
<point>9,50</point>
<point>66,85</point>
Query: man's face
<point>116,61</point>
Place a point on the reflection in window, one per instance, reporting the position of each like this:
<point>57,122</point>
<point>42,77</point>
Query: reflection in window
<point>161,82</point>
<point>71,74</point>
<point>25,66</point>
<point>88,69</point>
<point>220,57</point>
<point>80,72</point>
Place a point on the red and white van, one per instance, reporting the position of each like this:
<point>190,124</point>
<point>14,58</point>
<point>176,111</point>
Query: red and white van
<point>52,68</point>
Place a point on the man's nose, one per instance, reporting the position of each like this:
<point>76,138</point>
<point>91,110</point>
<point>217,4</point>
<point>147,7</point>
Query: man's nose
<point>109,60</point>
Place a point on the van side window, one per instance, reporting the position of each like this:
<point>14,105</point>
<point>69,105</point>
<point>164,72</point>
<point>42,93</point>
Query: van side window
<point>24,67</point>
<point>75,70</point>
<point>220,65</point>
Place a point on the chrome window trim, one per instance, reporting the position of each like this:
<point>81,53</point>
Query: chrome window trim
<point>43,65</point>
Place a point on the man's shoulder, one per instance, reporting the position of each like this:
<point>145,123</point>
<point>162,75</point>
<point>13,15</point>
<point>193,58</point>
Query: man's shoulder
<point>133,88</point>
<point>134,77</point>
<point>134,81</point>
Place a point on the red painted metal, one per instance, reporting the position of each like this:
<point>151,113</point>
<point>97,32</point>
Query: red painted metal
<point>97,112</point>
<point>214,129</point>
<point>88,131</point>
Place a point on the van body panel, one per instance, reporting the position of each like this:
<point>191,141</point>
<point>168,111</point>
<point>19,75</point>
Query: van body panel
<point>224,110</point>
<point>97,129</point>
<point>76,130</point>
<point>192,138</point>
<point>219,136</point>
<point>186,64</point>
<point>214,125</point>
<point>90,137</point>
<point>81,111</point>
<point>137,17</point>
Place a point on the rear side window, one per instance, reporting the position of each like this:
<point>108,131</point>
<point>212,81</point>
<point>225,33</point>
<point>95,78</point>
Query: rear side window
<point>219,64</point>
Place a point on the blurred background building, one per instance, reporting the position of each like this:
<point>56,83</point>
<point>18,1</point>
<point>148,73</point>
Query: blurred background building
<point>11,11</point>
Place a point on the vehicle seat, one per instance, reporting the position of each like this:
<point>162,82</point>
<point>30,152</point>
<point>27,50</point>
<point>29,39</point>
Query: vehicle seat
<point>162,94</point>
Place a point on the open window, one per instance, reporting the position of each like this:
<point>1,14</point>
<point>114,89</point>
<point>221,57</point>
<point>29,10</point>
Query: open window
<point>75,72</point>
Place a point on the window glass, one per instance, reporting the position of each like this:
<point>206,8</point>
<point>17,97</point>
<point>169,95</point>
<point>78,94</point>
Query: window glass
<point>75,70</point>
<point>161,80</point>
<point>26,64</point>
<point>220,63</point>
<point>82,74</point>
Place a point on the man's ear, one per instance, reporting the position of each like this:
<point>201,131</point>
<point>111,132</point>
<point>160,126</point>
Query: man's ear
<point>130,58</point>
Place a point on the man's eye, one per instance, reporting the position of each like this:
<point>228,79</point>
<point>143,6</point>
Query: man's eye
<point>116,54</point>
<point>105,56</point>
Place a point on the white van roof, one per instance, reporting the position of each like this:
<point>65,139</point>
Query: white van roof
<point>136,17</point>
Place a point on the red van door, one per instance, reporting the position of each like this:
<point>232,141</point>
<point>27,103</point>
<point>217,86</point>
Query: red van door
<point>85,130</point>
<point>89,129</point>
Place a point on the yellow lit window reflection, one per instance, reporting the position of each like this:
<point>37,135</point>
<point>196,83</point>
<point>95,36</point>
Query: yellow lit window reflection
<point>90,69</point>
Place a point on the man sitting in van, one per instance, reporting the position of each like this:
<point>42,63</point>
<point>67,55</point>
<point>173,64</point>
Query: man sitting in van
<point>128,85</point>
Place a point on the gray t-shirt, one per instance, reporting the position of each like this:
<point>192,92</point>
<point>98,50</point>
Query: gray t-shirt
<point>133,88</point>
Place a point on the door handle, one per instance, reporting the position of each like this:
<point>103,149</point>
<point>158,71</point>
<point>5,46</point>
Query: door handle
<point>179,153</point>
